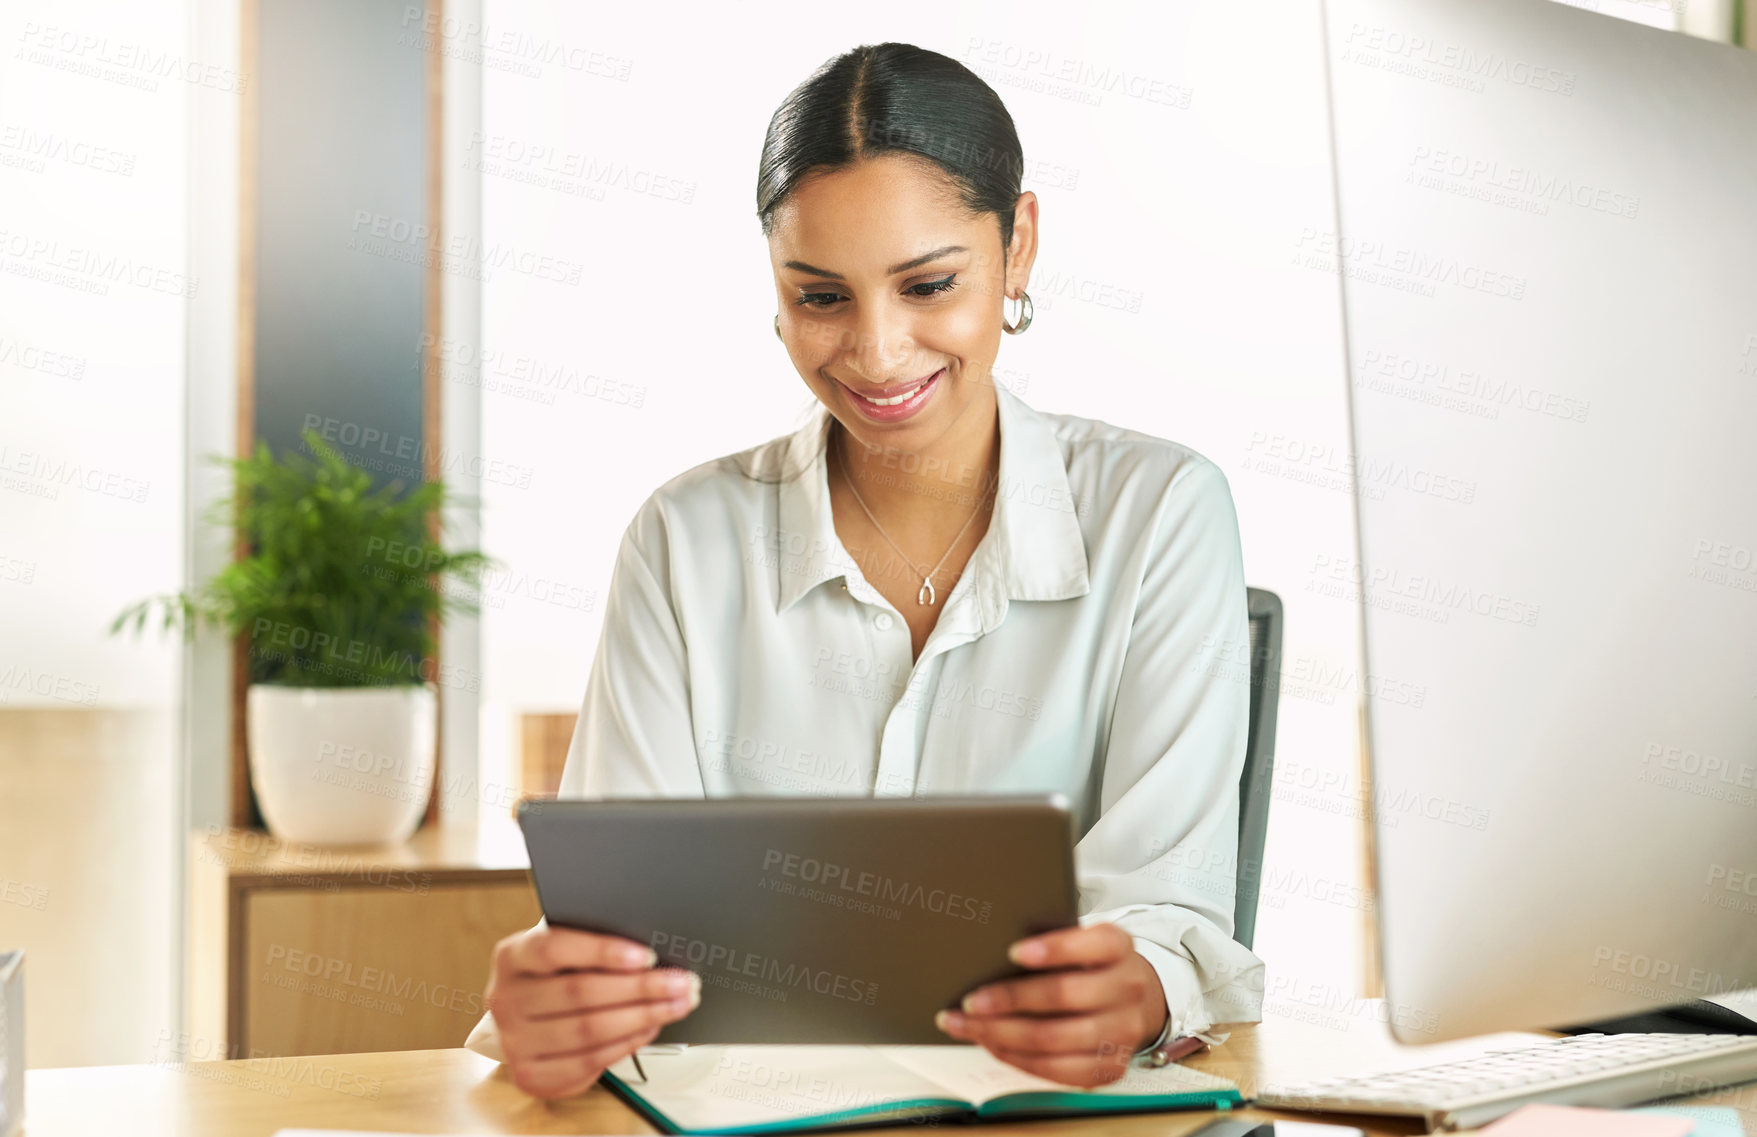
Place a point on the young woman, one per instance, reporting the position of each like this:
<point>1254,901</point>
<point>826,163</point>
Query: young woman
<point>931,588</point>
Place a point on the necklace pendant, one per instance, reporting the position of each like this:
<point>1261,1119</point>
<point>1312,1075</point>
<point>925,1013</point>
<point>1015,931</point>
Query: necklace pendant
<point>925,595</point>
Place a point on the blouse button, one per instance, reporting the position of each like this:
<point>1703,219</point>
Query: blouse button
<point>882,621</point>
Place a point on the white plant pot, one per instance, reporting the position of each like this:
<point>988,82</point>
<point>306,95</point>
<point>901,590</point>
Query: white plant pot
<point>342,765</point>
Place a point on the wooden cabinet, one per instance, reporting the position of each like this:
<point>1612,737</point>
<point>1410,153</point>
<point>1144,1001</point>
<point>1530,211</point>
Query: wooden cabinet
<point>296,949</point>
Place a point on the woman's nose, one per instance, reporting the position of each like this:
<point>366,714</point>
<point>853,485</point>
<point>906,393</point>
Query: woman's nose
<point>882,343</point>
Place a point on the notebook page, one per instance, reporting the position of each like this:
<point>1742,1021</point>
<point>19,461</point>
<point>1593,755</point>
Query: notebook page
<point>735,1087</point>
<point>972,1073</point>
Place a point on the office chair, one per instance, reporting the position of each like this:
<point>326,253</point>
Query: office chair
<point>1264,609</point>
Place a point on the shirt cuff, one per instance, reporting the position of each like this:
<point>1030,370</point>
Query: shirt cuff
<point>1186,1010</point>
<point>485,1039</point>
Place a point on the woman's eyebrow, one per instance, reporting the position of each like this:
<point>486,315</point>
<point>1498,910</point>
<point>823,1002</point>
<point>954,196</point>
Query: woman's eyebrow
<point>943,251</point>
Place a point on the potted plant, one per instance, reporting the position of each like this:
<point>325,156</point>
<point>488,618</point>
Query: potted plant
<point>340,592</point>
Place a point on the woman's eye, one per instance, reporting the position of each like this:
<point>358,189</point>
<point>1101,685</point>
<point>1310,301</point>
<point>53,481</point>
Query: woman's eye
<point>934,287</point>
<point>924,290</point>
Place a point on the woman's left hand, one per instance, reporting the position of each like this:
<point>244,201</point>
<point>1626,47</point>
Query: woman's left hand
<point>1097,1002</point>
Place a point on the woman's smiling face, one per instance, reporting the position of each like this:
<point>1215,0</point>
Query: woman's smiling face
<point>888,286</point>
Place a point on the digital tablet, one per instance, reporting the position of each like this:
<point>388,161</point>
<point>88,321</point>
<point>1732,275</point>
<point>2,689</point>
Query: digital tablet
<point>809,919</point>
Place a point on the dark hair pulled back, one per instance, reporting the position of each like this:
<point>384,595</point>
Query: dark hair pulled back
<point>895,98</point>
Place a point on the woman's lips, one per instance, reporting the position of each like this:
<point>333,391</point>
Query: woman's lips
<point>922,392</point>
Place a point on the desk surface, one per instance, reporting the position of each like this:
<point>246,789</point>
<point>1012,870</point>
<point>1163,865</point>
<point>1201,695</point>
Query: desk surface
<point>457,1091</point>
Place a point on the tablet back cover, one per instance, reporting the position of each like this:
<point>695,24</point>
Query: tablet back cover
<point>811,921</point>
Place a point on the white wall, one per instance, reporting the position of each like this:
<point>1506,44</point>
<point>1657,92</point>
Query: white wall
<point>93,282</point>
<point>1197,207</point>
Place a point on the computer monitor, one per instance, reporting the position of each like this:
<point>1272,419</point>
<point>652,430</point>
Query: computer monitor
<point>1546,222</point>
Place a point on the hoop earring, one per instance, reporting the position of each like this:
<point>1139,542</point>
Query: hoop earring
<point>778,327</point>
<point>1025,311</point>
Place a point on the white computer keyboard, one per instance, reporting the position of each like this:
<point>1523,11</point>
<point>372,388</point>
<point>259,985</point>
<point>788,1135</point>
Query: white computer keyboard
<point>1589,1069</point>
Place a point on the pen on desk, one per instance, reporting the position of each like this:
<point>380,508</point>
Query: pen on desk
<point>1183,1048</point>
<point>1175,1049</point>
<point>635,1057</point>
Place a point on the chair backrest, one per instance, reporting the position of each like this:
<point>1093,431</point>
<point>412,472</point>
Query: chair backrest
<point>1256,782</point>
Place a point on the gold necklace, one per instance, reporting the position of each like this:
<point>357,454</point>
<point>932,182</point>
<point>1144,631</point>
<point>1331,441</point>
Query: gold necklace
<point>925,594</point>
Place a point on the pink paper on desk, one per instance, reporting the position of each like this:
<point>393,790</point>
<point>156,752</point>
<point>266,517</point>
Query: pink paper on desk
<point>1568,1121</point>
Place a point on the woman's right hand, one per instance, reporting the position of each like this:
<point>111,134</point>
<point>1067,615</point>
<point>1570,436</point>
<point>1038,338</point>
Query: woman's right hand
<point>569,1004</point>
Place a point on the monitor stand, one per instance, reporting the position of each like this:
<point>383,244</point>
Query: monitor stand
<point>1695,1017</point>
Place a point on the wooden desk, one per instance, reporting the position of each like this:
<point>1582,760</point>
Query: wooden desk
<point>457,1091</point>
<point>296,949</point>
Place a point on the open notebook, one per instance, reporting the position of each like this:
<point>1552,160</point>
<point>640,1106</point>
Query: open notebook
<point>777,1089</point>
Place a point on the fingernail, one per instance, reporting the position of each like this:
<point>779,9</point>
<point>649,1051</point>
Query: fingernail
<point>681,982</point>
<point>637,956</point>
<point>977,1002</point>
<point>949,1021</point>
<point>1027,952</point>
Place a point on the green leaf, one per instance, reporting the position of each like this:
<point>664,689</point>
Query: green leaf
<point>341,584</point>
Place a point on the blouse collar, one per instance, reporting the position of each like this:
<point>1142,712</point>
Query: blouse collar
<point>1034,548</point>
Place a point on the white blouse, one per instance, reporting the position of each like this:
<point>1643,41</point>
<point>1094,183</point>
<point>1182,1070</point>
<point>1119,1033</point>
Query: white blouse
<point>1092,648</point>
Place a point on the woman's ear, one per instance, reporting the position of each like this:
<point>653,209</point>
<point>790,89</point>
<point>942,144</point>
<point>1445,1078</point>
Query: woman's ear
<point>1023,249</point>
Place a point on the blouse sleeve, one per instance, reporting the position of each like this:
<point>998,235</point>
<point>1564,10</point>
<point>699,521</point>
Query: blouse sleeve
<point>634,737</point>
<point>1161,860</point>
